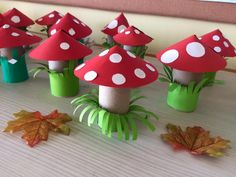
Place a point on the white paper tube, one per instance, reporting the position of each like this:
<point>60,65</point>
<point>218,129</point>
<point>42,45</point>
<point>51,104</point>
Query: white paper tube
<point>185,77</point>
<point>57,65</point>
<point>110,39</point>
<point>128,48</point>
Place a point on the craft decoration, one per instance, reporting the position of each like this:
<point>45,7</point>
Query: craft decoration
<point>17,19</point>
<point>114,27</point>
<point>1,20</point>
<point>12,54</point>
<point>61,51</point>
<point>36,126</point>
<point>185,63</point>
<point>220,45</point>
<point>196,140</point>
<point>48,20</point>
<point>133,40</point>
<point>116,71</point>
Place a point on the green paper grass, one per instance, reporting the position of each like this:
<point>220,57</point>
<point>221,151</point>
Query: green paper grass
<point>123,124</point>
<point>140,51</point>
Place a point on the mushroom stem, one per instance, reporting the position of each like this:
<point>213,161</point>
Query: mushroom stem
<point>110,39</point>
<point>115,100</point>
<point>185,77</point>
<point>57,66</point>
<point>8,52</point>
<point>128,47</point>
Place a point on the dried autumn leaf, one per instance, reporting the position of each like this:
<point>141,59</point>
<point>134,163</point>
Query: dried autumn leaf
<point>36,127</point>
<point>196,140</point>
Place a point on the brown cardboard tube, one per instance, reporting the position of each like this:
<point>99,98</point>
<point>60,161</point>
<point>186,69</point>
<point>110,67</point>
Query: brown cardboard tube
<point>115,100</point>
<point>185,77</point>
<point>57,65</point>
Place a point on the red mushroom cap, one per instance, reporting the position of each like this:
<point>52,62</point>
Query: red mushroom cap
<point>132,36</point>
<point>17,19</point>
<point>116,25</point>
<point>49,19</point>
<point>60,47</point>
<point>1,20</point>
<point>117,68</point>
<point>71,25</point>
<point>219,43</point>
<point>191,55</point>
<point>13,37</point>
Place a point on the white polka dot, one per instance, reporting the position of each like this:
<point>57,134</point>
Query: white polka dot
<point>71,32</point>
<point>12,61</point>
<point>217,49</point>
<point>90,76</point>
<point>127,32</point>
<point>40,19</point>
<point>137,31</point>
<point>131,54</point>
<point>170,56</point>
<point>15,34</point>
<point>53,32</point>
<point>118,79</point>
<point>216,38</point>
<point>195,49</point>
<point>76,21</point>
<point>6,26</point>
<point>115,58</point>
<point>226,44</point>
<point>15,19</point>
<point>121,28</point>
<point>30,34</point>
<point>200,38</point>
<point>151,68</point>
<point>139,73</point>
<point>113,24</point>
<point>83,24</point>
<point>51,16</point>
<point>79,67</point>
<point>58,21</point>
<point>104,53</point>
<point>64,46</point>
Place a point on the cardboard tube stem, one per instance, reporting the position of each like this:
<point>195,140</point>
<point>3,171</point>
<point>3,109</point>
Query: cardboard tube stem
<point>128,48</point>
<point>57,65</point>
<point>185,77</point>
<point>110,39</point>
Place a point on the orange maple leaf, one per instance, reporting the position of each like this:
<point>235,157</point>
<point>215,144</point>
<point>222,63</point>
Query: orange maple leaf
<point>36,127</point>
<point>196,140</point>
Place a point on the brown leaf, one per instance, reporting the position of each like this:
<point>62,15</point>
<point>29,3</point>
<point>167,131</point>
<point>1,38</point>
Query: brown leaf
<point>196,140</point>
<point>36,127</point>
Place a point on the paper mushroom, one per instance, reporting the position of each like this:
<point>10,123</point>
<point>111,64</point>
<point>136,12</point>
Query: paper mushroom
<point>61,51</point>
<point>133,40</point>
<point>220,45</point>
<point>13,54</point>
<point>186,62</point>
<point>117,72</point>
<point>17,19</point>
<point>48,20</point>
<point>114,27</point>
<point>1,20</point>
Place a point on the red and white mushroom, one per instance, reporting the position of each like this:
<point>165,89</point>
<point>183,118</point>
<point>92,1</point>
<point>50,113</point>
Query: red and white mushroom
<point>49,19</point>
<point>17,19</point>
<point>131,37</point>
<point>115,26</point>
<point>189,59</point>
<point>58,50</point>
<point>71,25</point>
<point>123,71</point>
<point>219,43</point>
<point>1,20</point>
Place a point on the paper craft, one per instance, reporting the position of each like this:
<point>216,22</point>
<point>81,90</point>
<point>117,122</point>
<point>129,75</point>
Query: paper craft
<point>13,54</point>
<point>36,127</point>
<point>112,107</point>
<point>17,19</point>
<point>114,27</point>
<point>220,45</point>
<point>48,20</point>
<point>133,40</point>
<point>196,140</point>
<point>1,20</point>
<point>61,51</point>
<point>185,63</point>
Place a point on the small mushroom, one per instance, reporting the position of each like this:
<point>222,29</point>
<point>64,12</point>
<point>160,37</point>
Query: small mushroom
<point>58,50</point>
<point>189,59</point>
<point>132,37</point>
<point>123,71</point>
<point>115,26</point>
<point>17,19</point>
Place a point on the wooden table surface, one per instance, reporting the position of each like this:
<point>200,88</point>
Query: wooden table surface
<point>87,153</point>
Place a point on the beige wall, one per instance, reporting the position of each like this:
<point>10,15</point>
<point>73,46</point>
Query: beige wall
<point>165,30</point>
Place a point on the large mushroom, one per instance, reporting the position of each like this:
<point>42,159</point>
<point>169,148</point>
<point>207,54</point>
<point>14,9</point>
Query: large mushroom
<point>114,27</point>
<point>17,19</point>
<point>12,53</point>
<point>49,19</point>
<point>189,60</point>
<point>133,40</point>
<point>1,20</point>
<point>61,51</point>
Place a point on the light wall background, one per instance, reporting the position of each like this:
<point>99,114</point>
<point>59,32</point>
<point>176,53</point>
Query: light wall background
<point>164,30</point>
